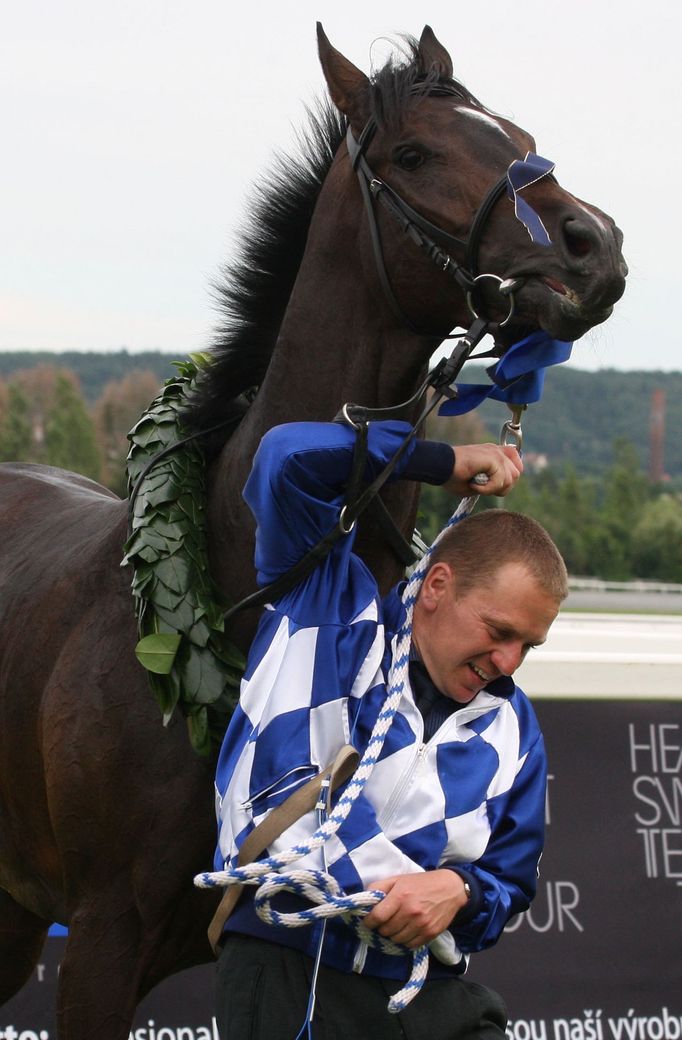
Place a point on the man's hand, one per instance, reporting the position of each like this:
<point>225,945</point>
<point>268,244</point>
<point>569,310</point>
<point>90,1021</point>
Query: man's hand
<point>501,464</point>
<point>417,907</point>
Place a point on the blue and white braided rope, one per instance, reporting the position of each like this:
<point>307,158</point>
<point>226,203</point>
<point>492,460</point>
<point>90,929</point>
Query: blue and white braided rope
<point>320,887</point>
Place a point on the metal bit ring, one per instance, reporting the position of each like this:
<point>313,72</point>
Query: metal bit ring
<point>505,288</point>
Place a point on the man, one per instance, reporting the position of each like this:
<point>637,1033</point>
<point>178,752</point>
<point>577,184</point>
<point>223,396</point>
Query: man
<point>450,822</point>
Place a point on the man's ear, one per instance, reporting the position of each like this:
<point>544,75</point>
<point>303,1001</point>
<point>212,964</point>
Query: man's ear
<point>437,583</point>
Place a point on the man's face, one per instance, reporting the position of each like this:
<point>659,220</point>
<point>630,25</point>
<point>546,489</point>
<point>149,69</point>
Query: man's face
<point>467,641</point>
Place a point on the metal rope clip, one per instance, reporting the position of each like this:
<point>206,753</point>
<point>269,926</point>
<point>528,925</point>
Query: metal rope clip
<point>510,434</point>
<point>512,427</point>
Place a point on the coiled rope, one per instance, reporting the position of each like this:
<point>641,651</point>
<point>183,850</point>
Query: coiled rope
<point>318,886</point>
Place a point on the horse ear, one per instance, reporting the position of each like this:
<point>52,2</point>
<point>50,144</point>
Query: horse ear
<point>348,86</point>
<point>433,55</point>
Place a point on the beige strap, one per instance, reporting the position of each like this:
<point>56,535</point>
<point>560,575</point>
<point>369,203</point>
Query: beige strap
<point>275,823</point>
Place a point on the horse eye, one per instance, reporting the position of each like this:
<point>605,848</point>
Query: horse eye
<point>409,158</point>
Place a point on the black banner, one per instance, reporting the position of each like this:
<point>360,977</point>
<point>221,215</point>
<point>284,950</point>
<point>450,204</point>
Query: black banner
<point>598,956</point>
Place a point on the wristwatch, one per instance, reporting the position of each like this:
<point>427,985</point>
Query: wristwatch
<point>467,889</point>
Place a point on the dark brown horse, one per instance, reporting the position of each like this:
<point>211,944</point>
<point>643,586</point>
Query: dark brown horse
<point>105,816</point>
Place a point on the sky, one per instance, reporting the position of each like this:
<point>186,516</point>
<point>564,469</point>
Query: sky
<point>133,131</point>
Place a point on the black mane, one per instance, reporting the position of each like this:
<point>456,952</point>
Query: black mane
<point>254,290</point>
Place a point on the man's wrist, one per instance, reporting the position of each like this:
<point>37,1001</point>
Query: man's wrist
<point>474,897</point>
<point>431,462</point>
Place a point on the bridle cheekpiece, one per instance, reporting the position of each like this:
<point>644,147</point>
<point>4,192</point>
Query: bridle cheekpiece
<point>438,244</point>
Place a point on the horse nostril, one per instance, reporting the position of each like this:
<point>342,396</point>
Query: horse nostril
<point>579,239</point>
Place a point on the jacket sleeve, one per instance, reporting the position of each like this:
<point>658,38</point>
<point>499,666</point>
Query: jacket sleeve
<point>504,879</point>
<point>295,489</point>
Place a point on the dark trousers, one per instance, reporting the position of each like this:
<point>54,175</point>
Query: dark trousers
<point>263,991</point>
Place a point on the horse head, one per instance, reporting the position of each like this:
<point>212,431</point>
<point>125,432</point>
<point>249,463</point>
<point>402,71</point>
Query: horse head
<point>442,164</point>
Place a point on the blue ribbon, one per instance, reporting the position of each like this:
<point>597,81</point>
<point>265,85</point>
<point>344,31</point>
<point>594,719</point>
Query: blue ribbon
<point>518,377</point>
<point>521,174</point>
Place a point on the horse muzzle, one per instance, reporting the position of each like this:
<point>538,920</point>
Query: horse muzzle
<point>573,284</point>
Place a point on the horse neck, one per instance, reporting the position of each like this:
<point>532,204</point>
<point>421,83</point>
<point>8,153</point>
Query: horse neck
<point>336,346</point>
<point>338,342</point>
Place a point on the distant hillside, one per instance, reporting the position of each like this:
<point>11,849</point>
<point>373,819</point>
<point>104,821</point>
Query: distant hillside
<point>94,370</point>
<point>580,416</point>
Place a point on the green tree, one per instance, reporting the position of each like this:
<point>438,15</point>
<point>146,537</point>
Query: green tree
<point>70,441</point>
<point>657,540</point>
<point>626,490</point>
<point>575,522</point>
<point>122,403</point>
<point>616,527</point>
<point>16,435</point>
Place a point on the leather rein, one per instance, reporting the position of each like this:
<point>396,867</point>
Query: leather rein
<point>357,499</point>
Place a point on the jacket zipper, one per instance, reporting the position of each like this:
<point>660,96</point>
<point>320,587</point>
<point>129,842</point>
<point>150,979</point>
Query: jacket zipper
<point>274,786</point>
<point>384,817</point>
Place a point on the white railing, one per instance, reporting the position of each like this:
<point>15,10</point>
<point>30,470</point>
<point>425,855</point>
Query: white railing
<point>578,584</point>
<point>615,656</point>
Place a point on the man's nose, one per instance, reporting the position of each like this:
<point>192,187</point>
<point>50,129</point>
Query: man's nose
<point>507,658</point>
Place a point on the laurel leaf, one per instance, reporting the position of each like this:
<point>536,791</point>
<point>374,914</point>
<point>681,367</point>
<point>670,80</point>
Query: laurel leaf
<point>190,660</point>
<point>157,652</point>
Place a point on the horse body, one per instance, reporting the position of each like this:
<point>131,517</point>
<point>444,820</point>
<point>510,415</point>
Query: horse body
<point>85,767</point>
<point>105,815</point>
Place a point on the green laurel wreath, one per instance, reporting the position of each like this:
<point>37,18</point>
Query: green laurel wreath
<point>190,661</point>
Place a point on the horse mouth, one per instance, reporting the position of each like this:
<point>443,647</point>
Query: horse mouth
<point>560,289</point>
<point>545,302</point>
<point>560,310</point>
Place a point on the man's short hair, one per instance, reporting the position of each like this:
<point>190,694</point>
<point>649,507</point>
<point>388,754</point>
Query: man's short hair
<point>478,546</point>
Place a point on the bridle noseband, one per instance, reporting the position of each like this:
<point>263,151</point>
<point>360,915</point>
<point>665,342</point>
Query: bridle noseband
<point>434,241</point>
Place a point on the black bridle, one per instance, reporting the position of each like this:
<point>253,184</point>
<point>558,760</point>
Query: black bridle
<point>434,241</point>
<point>439,246</point>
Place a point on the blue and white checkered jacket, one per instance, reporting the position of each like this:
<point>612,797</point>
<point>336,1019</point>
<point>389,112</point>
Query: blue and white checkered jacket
<point>471,798</point>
